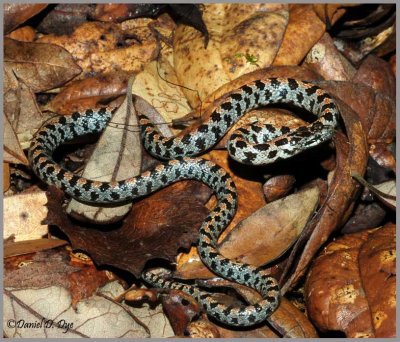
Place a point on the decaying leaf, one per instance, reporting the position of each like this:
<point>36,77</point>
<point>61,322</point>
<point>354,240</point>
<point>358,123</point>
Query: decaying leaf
<point>351,285</point>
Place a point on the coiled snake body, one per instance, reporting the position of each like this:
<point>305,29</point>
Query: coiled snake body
<point>251,145</point>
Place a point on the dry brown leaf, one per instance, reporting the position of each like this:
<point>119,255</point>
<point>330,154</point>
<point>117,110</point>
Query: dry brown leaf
<point>31,246</point>
<point>261,237</point>
<point>117,156</point>
<point>381,154</point>
<point>271,230</point>
<point>325,59</point>
<point>344,286</point>
<point>156,227</point>
<point>303,31</point>
<point>376,73</point>
<point>23,215</point>
<point>87,93</point>
<point>52,267</point>
<point>40,66</point>
<point>243,38</point>
<point>98,316</point>
<point>96,47</point>
<point>388,188</point>
<point>13,152</point>
<point>180,309</point>
<point>23,112</point>
<point>290,322</point>
<point>16,14</point>
<point>158,85</point>
<point>277,187</point>
<point>376,111</point>
<point>351,156</point>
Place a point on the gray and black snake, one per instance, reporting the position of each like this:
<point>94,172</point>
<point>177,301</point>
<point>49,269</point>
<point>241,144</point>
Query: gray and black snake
<point>250,145</point>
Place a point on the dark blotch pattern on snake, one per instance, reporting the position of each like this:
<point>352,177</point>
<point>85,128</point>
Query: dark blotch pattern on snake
<point>254,144</point>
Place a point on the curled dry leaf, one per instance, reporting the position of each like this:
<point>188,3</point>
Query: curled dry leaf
<point>351,156</point>
<point>156,227</point>
<point>64,18</point>
<point>326,59</point>
<point>23,216</point>
<point>330,13</point>
<point>6,176</point>
<point>16,14</point>
<point>242,39</point>
<point>365,216</point>
<point>29,68</point>
<point>202,329</point>
<point>304,29</point>
<point>381,153</point>
<point>344,289</point>
<point>96,47</point>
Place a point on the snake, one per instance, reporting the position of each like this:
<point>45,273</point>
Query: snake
<point>253,144</point>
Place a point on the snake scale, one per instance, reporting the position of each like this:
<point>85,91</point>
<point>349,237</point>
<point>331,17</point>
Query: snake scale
<point>253,144</point>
